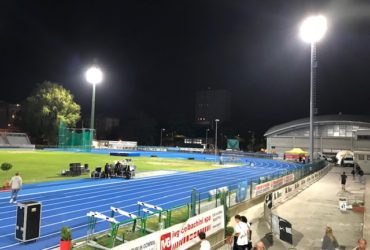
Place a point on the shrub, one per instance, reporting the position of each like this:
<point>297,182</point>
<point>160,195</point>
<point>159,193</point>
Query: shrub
<point>6,166</point>
<point>229,231</point>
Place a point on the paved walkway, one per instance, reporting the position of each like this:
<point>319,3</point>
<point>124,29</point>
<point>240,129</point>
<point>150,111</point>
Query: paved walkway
<point>312,210</point>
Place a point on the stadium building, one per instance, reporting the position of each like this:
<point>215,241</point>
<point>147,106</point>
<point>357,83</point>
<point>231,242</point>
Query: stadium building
<point>332,134</point>
<point>212,104</point>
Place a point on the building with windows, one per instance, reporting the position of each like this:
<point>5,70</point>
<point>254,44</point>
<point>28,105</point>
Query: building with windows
<point>105,127</point>
<point>332,133</point>
<point>211,105</point>
<point>7,115</point>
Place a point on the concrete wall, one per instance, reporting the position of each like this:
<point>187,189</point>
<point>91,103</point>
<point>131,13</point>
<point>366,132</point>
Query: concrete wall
<point>363,161</point>
<point>322,144</point>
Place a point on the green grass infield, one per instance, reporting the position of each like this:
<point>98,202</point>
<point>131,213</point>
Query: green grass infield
<point>39,166</point>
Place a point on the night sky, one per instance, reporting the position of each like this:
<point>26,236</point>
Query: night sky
<point>157,54</point>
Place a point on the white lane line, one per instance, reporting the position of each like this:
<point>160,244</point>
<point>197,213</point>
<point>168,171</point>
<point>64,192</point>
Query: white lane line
<point>215,180</point>
<point>178,199</point>
<point>89,191</point>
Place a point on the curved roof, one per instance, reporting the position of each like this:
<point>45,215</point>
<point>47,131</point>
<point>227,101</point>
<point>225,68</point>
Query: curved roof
<point>321,119</point>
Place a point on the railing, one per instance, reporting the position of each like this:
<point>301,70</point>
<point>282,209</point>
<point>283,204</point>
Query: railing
<point>242,190</point>
<point>234,193</point>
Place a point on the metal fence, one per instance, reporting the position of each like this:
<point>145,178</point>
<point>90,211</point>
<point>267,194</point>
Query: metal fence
<point>242,190</point>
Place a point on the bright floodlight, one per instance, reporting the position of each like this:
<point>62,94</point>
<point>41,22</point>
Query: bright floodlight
<point>313,29</point>
<point>94,75</point>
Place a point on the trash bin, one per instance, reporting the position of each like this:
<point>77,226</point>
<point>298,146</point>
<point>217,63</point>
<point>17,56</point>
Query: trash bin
<point>342,203</point>
<point>28,221</point>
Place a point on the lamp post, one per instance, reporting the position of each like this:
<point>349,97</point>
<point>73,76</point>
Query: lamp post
<point>311,31</point>
<point>217,120</point>
<point>94,76</point>
<point>162,130</point>
<point>207,137</point>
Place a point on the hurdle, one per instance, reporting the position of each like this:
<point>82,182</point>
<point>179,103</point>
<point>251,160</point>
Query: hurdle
<point>93,218</point>
<point>115,224</point>
<point>124,213</point>
<point>143,212</point>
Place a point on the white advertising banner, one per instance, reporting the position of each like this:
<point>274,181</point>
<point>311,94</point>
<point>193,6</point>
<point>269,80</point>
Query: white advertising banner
<point>122,144</point>
<point>180,236</point>
<point>271,185</point>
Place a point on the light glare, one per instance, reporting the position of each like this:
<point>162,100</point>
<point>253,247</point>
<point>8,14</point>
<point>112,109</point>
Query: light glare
<point>94,75</point>
<point>313,29</point>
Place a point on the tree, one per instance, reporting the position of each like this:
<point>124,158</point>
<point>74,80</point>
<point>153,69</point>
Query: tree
<point>6,167</point>
<point>41,113</point>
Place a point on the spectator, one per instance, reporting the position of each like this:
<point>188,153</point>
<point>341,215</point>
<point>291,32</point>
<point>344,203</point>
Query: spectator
<point>329,241</point>
<point>15,184</point>
<point>245,220</point>
<point>241,234</point>
<point>259,246</point>
<point>361,245</point>
<point>204,244</point>
<point>343,178</point>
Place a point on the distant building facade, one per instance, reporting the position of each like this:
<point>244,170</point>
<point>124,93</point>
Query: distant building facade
<point>332,133</point>
<point>105,127</point>
<point>8,113</point>
<point>210,105</point>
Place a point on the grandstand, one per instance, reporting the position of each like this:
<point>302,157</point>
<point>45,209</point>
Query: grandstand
<point>15,140</point>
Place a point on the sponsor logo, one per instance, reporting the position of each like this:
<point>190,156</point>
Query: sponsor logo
<point>166,242</point>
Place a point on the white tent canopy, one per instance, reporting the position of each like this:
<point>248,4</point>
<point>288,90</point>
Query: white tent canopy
<point>343,154</point>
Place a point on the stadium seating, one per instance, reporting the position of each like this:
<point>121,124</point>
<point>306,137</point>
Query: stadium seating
<point>15,140</point>
<point>3,141</point>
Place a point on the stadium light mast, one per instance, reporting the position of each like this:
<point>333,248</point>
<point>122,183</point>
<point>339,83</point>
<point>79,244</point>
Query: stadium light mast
<point>94,76</point>
<point>207,130</point>
<point>162,130</point>
<point>216,120</point>
<point>312,31</point>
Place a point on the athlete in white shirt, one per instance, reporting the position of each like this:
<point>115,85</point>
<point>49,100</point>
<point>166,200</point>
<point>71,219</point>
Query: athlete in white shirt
<point>15,184</point>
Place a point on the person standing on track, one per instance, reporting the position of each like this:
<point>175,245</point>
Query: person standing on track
<point>15,184</point>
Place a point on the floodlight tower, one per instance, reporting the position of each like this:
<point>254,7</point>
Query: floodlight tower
<point>312,31</point>
<point>94,76</point>
<point>216,120</point>
<point>162,130</point>
<point>207,130</point>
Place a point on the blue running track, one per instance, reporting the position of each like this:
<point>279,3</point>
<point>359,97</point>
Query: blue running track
<point>67,202</point>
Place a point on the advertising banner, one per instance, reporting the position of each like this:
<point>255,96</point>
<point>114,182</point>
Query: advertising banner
<point>241,192</point>
<point>271,185</point>
<point>185,235</point>
<point>180,236</point>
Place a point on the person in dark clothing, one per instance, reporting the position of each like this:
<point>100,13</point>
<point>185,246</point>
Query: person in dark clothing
<point>353,172</point>
<point>343,178</point>
<point>360,175</point>
<point>329,241</point>
<point>107,171</point>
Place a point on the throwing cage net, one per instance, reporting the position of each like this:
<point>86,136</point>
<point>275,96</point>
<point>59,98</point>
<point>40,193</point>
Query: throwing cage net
<point>72,138</point>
